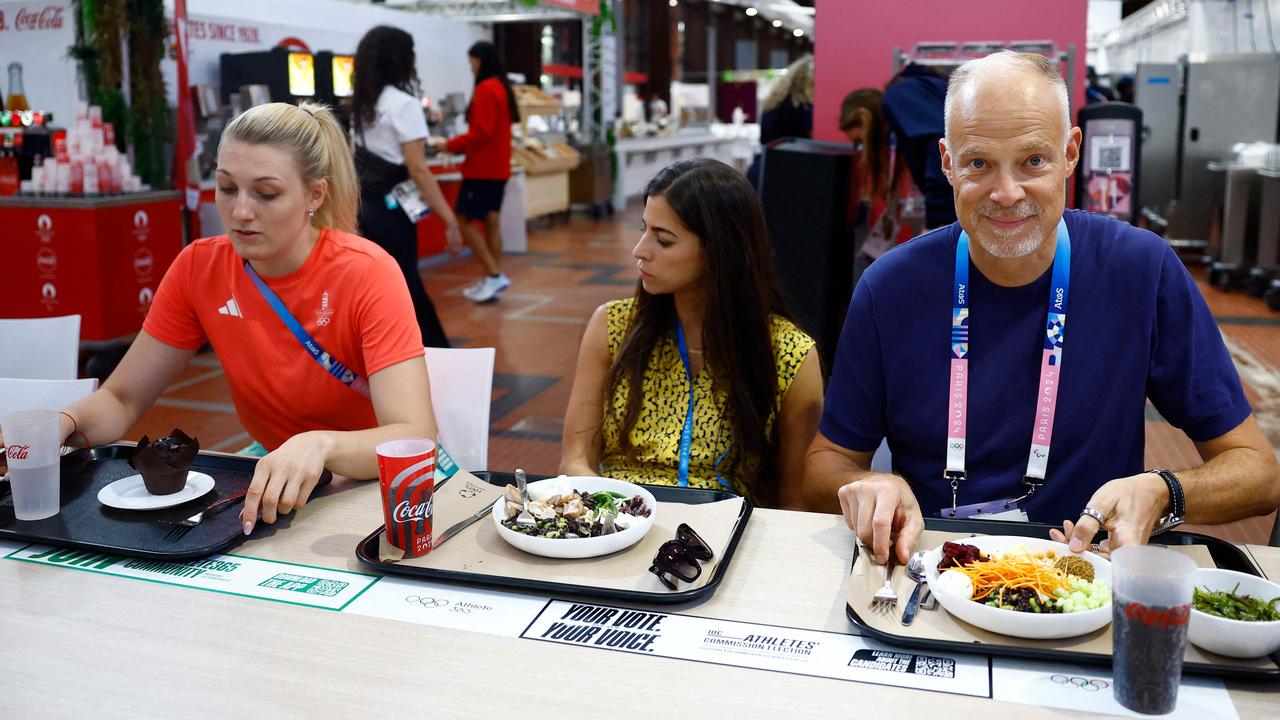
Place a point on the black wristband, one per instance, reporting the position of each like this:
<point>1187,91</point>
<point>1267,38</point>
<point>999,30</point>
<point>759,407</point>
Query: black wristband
<point>1177,501</point>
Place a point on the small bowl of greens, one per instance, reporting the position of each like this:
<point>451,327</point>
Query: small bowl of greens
<point>577,517</point>
<point>1235,614</point>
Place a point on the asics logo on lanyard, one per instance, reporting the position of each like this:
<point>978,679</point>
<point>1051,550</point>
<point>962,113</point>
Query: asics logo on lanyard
<point>1050,368</point>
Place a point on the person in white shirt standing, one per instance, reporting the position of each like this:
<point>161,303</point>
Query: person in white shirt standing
<point>389,132</point>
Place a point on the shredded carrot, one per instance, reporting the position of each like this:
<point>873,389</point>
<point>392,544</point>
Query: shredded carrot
<point>1012,572</point>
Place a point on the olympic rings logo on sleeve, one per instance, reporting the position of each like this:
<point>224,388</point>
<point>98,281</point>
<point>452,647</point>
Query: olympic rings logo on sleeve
<point>1080,682</point>
<point>426,602</point>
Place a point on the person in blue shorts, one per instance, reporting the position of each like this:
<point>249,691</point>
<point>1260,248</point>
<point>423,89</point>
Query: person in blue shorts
<point>1008,358</point>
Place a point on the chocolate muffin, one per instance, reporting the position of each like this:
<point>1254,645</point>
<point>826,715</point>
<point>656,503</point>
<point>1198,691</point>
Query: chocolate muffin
<point>164,462</point>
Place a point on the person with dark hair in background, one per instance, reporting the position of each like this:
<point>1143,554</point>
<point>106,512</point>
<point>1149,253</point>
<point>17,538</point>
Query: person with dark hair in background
<point>787,111</point>
<point>880,174</point>
<point>1124,89</point>
<point>487,145</point>
<point>698,380</point>
<point>913,106</point>
<point>1096,92</point>
<point>389,132</point>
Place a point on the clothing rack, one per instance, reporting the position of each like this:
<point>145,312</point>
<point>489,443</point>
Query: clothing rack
<point>949,55</point>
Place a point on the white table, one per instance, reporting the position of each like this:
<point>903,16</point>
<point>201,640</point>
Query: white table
<point>80,644</point>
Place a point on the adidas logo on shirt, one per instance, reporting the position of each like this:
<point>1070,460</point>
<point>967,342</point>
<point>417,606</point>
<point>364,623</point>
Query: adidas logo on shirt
<point>231,309</point>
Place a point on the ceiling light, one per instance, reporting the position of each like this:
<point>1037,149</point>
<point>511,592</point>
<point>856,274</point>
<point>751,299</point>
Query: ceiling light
<point>798,32</point>
<point>777,23</point>
<point>673,3</point>
<point>751,12</point>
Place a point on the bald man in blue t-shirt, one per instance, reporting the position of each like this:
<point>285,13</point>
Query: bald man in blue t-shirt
<point>957,349</point>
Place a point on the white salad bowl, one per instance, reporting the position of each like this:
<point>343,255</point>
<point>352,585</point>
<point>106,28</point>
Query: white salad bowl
<point>1234,638</point>
<point>1032,626</point>
<point>579,547</point>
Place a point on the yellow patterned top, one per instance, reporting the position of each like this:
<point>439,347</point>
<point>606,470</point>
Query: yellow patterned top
<point>655,439</point>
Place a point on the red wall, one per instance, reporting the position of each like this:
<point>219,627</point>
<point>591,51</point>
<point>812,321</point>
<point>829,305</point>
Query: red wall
<point>854,41</point>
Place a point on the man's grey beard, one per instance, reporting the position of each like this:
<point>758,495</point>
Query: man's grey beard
<point>1021,248</point>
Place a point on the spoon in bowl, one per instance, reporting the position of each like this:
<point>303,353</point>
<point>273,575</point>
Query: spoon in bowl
<point>915,571</point>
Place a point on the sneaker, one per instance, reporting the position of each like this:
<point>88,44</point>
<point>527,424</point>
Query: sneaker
<point>469,290</point>
<point>490,288</point>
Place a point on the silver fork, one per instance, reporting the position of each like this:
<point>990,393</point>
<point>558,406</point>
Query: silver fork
<point>525,518</point>
<point>182,527</point>
<point>886,598</point>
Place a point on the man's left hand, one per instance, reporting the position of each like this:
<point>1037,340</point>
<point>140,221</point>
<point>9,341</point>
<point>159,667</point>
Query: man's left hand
<point>1129,506</point>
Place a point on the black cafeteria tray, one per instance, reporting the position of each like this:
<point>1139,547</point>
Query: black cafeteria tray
<point>1225,555</point>
<point>86,524</point>
<point>367,552</point>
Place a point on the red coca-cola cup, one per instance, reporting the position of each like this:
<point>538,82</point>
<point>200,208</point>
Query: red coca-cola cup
<point>407,474</point>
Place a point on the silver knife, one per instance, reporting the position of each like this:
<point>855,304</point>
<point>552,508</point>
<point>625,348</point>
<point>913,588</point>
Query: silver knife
<point>462,525</point>
<point>913,605</point>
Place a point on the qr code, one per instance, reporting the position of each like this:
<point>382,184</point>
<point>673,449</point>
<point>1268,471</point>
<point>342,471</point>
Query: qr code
<point>1110,157</point>
<point>327,588</point>
<point>935,666</point>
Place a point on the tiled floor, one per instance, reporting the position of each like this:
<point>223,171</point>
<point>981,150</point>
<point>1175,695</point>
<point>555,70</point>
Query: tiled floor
<point>536,327</point>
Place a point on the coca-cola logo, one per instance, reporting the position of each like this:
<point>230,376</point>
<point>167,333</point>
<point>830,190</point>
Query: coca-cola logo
<point>143,262</point>
<point>1158,617</point>
<point>404,512</point>
<point>17,452</point>
<point>47,18</point>
<point>46,261</point>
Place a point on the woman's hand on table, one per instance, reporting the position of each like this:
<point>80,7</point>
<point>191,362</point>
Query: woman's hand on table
<point>284,479</point>
<point>1130,506</point>
<point>437,142</point>
<point>879,508</point>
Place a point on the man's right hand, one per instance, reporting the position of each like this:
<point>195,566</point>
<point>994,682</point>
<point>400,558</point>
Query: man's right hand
<point>879,508</point>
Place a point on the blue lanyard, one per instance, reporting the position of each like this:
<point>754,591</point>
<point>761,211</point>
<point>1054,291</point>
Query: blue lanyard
<point>686,435</point>
<point>1050,369</point>
<point>330,364</point>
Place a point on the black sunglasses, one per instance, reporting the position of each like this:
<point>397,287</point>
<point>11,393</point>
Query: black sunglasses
<point>679,558</point>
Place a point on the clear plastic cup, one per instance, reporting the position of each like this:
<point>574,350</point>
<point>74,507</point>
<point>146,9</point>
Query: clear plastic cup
<point>32,449</point>
<point>1151,607</point>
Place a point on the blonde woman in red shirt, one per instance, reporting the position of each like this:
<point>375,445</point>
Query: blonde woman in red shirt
<point>487,145</point>
<point>289,266</point>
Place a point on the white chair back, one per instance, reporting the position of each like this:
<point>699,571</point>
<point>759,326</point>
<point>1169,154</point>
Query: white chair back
<point>461,391</point>
<point>18,394</point>
<point>40,348</point>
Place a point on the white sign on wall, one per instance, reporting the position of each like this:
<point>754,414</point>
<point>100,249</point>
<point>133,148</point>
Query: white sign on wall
<point>34,37</point>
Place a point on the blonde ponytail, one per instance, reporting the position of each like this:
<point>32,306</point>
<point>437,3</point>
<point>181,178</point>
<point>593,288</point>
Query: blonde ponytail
<point>312,134</point>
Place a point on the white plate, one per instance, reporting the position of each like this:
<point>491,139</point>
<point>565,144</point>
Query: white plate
<point>1010,622</point>
<point>578,547</point>
<point>131,494</point>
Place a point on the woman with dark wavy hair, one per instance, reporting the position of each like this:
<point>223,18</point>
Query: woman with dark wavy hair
<point>698,380</point>
<point>389,131</point>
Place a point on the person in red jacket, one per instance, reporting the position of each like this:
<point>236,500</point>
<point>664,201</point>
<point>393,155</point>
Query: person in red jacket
<point>487,145</point>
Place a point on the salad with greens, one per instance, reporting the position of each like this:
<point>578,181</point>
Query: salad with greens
<point>577,514</point>
<point>1234,606</point>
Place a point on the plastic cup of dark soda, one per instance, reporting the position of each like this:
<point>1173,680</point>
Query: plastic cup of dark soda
<point>1151,605</point>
